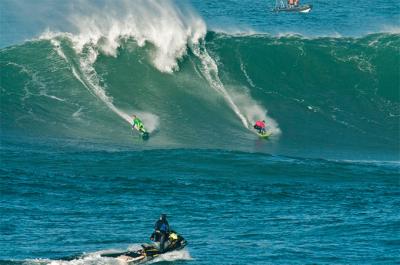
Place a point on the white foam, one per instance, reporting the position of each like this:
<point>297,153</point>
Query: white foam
<point>243,68</point>
<point>149,119</point>
<point>392,29</point>
<point>96,258</point>
<point>210,72</point>
<point>77,114</point>
<point>173,256</point>
<point>100,30</point>
<point>170,31</point>
<point>247,109</point>
<point>253,112</point>
<point>53,97</point>
<point>159,22</point>
<point>57,47</point>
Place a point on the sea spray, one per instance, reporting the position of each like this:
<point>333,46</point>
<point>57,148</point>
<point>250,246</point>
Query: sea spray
<point>210,72</point>
<point>169,29</point>
<point>247,110</point>
<point>160,23</point>
<point>149,119</point>
<point>253,112</point>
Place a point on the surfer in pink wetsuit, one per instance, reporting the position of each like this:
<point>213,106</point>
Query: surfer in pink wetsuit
<point>260,126</point>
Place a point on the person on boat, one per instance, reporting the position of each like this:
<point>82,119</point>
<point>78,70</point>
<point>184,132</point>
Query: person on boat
<point>291,3</point>
<point>260,126</point>
<point>296,3</point>
<point>161,231</point>
<point>137,123</point>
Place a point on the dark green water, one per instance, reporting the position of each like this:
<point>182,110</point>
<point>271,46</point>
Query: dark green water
<point>340,95</point>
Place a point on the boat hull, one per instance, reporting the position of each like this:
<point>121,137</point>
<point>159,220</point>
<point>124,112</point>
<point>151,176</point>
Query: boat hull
<point>301,9</point>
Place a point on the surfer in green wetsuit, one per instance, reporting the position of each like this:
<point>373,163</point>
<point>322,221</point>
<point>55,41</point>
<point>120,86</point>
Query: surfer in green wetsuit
<point>138,124</point>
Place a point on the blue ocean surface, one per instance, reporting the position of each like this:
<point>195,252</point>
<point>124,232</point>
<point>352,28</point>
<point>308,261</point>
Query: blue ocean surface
<point>76,181</point>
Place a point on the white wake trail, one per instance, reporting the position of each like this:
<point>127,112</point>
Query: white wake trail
<point>210,71</point>
<point>243,105</point>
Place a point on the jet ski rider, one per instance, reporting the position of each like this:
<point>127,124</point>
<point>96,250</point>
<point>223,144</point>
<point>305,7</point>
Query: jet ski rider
<point>161,231</point>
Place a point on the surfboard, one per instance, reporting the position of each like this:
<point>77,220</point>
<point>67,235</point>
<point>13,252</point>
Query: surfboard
<point>145,136</point>
<point>143,133</point>
<point>264,135</point>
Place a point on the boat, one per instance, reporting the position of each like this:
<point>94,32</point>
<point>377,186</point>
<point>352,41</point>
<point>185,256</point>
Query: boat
<point>148,252</point>
<point>291,6</point>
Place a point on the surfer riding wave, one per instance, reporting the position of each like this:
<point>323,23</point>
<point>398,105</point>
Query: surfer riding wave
<point>137,124</point>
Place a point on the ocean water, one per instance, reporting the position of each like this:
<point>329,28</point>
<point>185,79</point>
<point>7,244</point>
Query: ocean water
<point>76,182</point>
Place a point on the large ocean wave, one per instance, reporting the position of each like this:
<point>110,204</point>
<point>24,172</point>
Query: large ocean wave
<point>199,89</point>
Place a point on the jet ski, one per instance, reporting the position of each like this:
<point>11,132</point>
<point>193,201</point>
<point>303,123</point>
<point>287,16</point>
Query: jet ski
<point>148,252</point>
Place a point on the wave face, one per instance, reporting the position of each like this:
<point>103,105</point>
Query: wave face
<point>199,89</point>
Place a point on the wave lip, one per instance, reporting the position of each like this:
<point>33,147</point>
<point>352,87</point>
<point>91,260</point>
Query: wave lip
<point>163,24</point>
